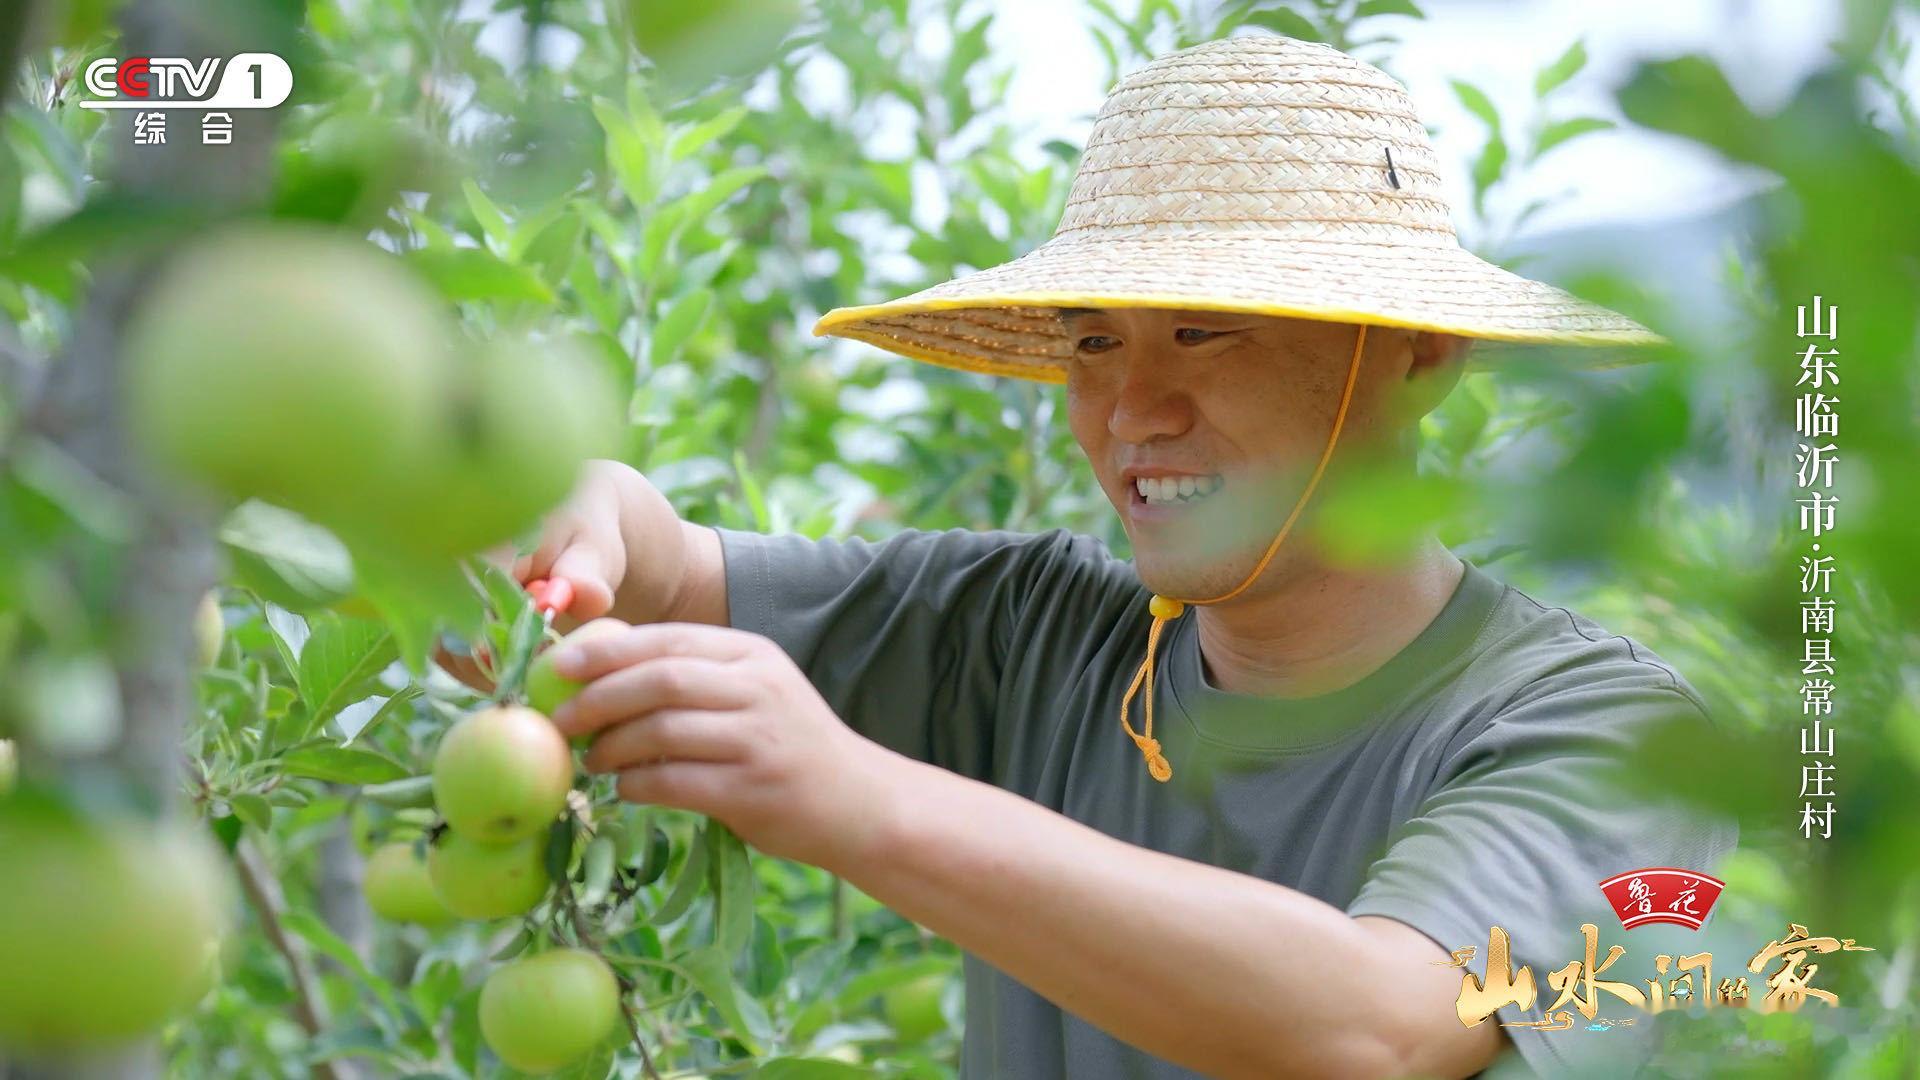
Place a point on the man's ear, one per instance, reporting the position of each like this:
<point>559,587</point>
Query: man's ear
<point>1437,362</point>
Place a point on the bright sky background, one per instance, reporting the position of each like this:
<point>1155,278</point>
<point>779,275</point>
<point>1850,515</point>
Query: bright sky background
<point>1625,176</point>
<point>1766,46</point>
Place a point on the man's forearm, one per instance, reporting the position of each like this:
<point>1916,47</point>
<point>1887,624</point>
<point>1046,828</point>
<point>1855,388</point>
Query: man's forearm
<point>1211,969</point>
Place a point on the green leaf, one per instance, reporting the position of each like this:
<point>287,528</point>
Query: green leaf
<point>552,250</point>
<point>515,946</point>
<point>393,706</point>
<point>767,966</point>
<point>126,225</point>
<point>596,871</point>
<point>523,639</point>
<point>659,231</point>
<point>414,791</point>
<point>1487,169</point>
<point>646,119</point>
<point>491,220</point>
<point>696,207</point>
<point>416,599</point>
<point>712,973</point>
<point>792,1068</point>
<point>1560,131</point>
<point>1561,70</point>
<point>1691,97</point>
<point>1289,22</point>
<point>878,980</point>
<point>685,887</point>
<point>559,855</point>
<point>696,138</point>
<point>435,986</point>
<point>654,862</point>
<point>309,927</point>
<point>343,765</point>
<point>339,662</point>
<point>680,321</point>
<point>475,274</point>
<point>253,810</point>
<point>1369,8</point>
<point>627,153</point>
<point>756,501</point>
<point>228,831</point>
<point>285,558</point>
<point>969,46</point>
<point>733,890</point>
<point>1477,103</point>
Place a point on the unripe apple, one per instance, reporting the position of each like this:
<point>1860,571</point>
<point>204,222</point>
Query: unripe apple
<point>545,1011</point>
<point>9,766</point>
<point>294,364</point>
<point>488,881</point>
<point>209,628</point>
<point>502,774</point>
<point>107,928</point>
<point>525,415</point>
<point>399,889</point>
<point>547,689</point>
<point>913,1007</point>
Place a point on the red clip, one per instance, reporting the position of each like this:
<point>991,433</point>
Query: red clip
<point>551,594</point>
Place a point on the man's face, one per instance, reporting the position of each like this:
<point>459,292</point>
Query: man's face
<point>1204,427</point>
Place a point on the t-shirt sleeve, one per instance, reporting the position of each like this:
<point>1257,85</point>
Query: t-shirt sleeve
<point>907,639</point>
<point>1519,832</point>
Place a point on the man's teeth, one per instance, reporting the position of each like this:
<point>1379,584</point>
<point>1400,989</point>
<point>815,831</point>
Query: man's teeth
<point>1172,489</point>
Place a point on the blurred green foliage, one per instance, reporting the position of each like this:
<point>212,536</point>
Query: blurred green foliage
<point>690,217</point>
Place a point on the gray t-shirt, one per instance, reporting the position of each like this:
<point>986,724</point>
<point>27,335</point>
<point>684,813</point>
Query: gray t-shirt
<point>1453,789</point>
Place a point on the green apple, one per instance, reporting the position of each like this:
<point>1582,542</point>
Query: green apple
<point>107,928</point>
<point>502,774</point>
<point>488,881</point>
<point>399,889</point>
<point>9,766</point>
<point>209,629</point>
<point>295,364</point>
<point>523,417</point>
<point>547,689</point>
<point>913,1007</point>
<point>546,1011</point>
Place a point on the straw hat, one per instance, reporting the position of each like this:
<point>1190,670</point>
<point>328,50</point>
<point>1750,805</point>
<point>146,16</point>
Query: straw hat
<point>1257,174</point>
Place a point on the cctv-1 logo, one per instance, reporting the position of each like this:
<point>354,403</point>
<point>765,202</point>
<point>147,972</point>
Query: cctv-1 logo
<point>246,81</point>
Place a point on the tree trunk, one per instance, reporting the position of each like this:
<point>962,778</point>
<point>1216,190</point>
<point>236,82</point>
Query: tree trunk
<point>337,885</point>
<point>170,561</point>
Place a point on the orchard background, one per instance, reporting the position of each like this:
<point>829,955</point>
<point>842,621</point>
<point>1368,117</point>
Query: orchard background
<point>669,202</point>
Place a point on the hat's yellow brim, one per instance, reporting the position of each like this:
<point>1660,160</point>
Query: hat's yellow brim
<point>1004,320</point>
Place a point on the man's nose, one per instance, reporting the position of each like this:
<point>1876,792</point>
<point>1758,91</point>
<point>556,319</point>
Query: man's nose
<point>1151,403</point>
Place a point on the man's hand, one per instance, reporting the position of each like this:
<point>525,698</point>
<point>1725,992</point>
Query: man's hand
<point>583,543</point>
<point>721,722</point>
<point>619,544</point>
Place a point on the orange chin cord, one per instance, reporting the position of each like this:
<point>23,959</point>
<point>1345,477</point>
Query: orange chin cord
<point>1166,608</point>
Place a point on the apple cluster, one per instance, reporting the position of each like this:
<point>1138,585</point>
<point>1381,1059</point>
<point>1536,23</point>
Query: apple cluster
<point>314,371</point>
<point>500,779</point>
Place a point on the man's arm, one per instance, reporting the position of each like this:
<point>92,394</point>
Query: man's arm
<point>1211,969</point>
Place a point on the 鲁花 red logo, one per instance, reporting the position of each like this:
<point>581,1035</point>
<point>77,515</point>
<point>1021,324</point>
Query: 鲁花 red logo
<point>1662,894</point>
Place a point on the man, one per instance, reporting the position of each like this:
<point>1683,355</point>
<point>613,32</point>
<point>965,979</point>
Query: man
<point>1323,777</point>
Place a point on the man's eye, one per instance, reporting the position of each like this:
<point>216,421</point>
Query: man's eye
<point>1191,335</point>
<point>1096,343</point>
